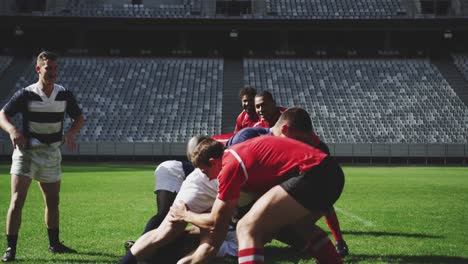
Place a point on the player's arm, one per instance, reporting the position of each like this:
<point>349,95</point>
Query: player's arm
<point>69,137</point>
<point>17,138</point>
<point>215,224</point>
<point>217,219</point>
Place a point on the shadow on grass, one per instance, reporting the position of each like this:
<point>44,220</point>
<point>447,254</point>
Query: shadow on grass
<point>64,261</point>
<point>370,233</point>
<point>79,258</point>
<point>100,254</point>
<point>407,259</point>
<point>274,255</point>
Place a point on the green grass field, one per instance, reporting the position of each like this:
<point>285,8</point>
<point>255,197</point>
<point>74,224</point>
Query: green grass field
<point>388,215</point>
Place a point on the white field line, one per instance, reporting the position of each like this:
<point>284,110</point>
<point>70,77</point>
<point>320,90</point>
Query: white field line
<point>353,216</point>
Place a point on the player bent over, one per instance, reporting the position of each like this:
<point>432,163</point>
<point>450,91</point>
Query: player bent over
<point>297,187</point>
<point>199,193</point>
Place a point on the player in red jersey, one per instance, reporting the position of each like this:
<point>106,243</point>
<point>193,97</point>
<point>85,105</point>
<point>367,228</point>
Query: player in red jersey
<point>266,109</point>
<point>290,124</point>
<point>296,188</point>
<point>269,114</point>
<point>248,117</point>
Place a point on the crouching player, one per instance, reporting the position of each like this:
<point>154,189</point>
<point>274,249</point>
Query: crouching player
<point>169,176</point>
<point>297,188</point>
<point>198,193</point>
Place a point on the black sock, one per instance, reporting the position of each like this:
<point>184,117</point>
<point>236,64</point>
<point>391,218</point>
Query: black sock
<point>12,240</point>
<point>128,258</point>
<point>154,222</point>
<point>53,236</point>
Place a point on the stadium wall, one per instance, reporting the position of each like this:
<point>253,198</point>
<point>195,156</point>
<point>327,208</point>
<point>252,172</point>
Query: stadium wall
<point>383,153</point>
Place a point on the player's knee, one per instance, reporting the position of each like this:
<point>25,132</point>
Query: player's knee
<point>246,227</point>
<point>204,252</point>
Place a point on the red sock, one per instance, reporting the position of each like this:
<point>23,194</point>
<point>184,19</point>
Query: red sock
<point>251,256</point>
<point>332,221</point>
<point>323,250</point>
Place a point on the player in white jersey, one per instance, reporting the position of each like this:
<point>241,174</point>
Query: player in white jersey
<point>199,194</point>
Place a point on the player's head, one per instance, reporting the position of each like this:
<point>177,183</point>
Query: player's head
<point>247,97</point>
<point>265,105</point>
<point>295,123</point>
<point>192,144</point>
<point>47,67</point>
<point>207,157</point>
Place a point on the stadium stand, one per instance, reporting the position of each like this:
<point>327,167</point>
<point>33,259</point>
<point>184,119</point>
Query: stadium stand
<point>284,9</point>
<point>461,61</point>
<point>142,99</point>
<point>5,61</point>
<point>366,101</point>
<point>338,9</point>
<point>174,9</point>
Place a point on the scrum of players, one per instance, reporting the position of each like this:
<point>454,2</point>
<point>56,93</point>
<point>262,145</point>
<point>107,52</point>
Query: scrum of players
<point>241,190</point>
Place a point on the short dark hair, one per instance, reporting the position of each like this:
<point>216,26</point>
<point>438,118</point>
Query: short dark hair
<point>205,150</point>
<point>297,119</point>
<point>265,94</point>
<point>46,55</point>
<point>247,90</point>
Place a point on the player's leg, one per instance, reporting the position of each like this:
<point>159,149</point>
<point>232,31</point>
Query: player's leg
<point>202,253</point>
<point>168,178</point>
<point>51,195</point>
<point>306,195</point>
<point>309,239</point>
<point>274,210</point>
<point>183,245</point>
<point>19,191</point>
<point>333,224</point>
<point>150,242</point>
<point>164,200</point>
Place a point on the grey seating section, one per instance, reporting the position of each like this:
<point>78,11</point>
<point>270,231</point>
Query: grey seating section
<point>366,101</point>
<point>336,9</point>
<point>461,61</point>
<point>5,61</point>
<point>142,99</point>
<point>109,8</point>
<point>285,9</point>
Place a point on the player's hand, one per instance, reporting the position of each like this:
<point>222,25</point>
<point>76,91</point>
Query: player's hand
<point>178,211</point>
<point>17,139</point>
<point>69,141</point>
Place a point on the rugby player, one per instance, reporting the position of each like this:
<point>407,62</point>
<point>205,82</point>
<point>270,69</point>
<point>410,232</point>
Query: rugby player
<point>36,154</point>
<point>296,187</point>
<point>248,117</point>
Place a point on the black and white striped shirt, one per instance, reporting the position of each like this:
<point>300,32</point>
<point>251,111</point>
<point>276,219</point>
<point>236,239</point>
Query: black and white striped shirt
<point>43,116</point>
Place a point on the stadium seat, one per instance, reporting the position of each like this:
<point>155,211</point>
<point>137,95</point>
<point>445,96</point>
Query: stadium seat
<point>378,101</point>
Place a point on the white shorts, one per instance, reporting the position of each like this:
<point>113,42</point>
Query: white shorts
<point>169,176</point>
<point>198,192</point>
<point>40,163</point>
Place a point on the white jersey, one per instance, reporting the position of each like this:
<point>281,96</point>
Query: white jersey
<point>198,192</point>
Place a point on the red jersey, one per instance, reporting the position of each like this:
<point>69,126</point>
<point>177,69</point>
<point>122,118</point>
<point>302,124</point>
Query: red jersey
<point>245,120</point>
<point>258,164</point>
<point>264,123</point>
